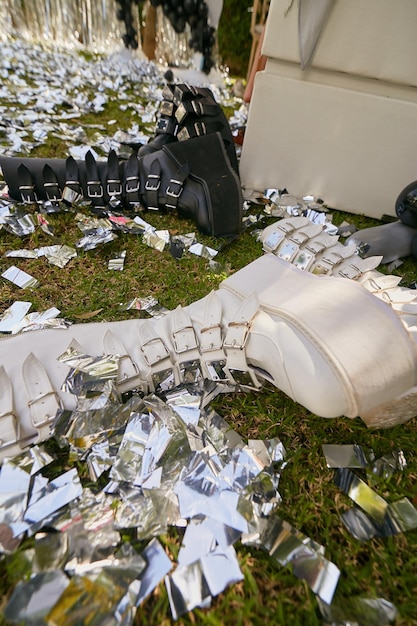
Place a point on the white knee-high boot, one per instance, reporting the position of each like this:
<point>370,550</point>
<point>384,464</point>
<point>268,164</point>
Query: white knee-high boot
<point>327,342</point>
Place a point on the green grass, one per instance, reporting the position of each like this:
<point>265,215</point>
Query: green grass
<point>310,500</point>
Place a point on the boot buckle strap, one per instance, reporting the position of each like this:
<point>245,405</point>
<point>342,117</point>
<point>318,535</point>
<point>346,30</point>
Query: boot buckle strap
<point>94,189</point>
<point>315,247</point>
<point>211,338</point>
<point>132,184</point>
<point>174,188</point>
<point>215,370</point>
<point>154,351</point>
<point>9,428</point>
<point>195,130</point>
<point>153,186</point>
<point>277,236</point>
<point>238,371</point>
<point>114,187</point>
<point>182,91</point>
<point>185,339</point>
<point>332,258</point>
<point>128,370</point>
<point>237,335</point>
<point>73,183</point>
<point>350,271</point>
<point>56,195</point>
<point>36,421</point>
<point>28,194</point>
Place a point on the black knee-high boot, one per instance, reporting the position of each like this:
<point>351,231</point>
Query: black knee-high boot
<point>193,178</point>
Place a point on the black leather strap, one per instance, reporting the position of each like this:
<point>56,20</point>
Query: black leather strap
<point>114,184</point>
<point>184,91</point>
<point>72,176</point>
<point>152,185</point>
<point>198,107</point>
<point>72,192</point>
<point>132,180</point>
<point>26,185</point>
<point>50,184</point>
<point>198,129</point>
<point>95,191</point>
<point>176,185</point>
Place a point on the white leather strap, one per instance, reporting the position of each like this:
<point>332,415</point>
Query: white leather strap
<point>153,348</point>
<point>356,266</point>
<point>211,334</point>
<point>274,235</point>
<point>185,344</point>
<point>398,295</point>
<point>289,248</point>
<point>211,340</point>
<point>128,375</point>
<point>158,357</point>
<point>375,281</point>
<point>183,334</point>
<point>43,400</point>
<point>302,235</point>
<point>332,257</point>
<point>237,334</point>
<point>9,425</point>
<point>310,250</point>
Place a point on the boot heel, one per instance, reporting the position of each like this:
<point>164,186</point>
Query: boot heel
<point>393,413</point>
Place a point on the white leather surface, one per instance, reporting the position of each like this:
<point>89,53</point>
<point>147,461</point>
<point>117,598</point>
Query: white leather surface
<point>328,321</point>
<point>345,128</point>
<point>369,38</point>
<point>326,342</point>
<point>355,150</point>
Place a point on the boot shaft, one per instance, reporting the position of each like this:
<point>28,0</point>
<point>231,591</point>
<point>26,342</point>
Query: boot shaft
<point>193,178</point>
<point>322,340</point>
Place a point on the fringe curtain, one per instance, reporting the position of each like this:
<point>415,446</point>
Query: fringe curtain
<point>90,24</point>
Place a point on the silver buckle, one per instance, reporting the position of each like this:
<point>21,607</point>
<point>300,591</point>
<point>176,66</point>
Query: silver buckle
<point>239,345</point>
<point>132,189</point>
<point>170,192</point>
<point>117,190</point>
<point>165,379</point>
<point>190,372</point>
<point>47,418</point>
<point>92,194</point>
<point>213,345</point>
<point>189,333</point>
<point>149,186</point>
<point>153,356</point>
<point>54,197</point>
<point>30,197</point>
<point>216,371</point>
